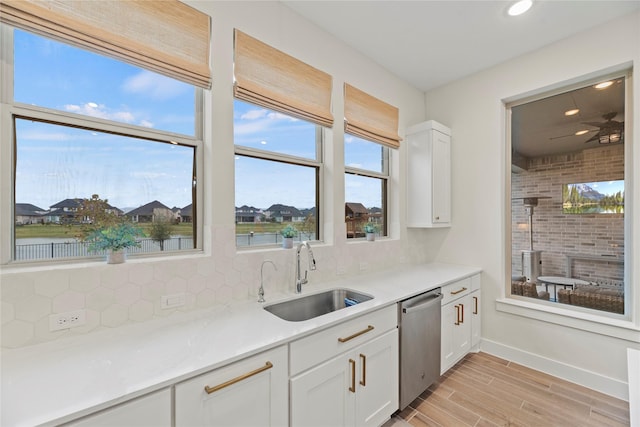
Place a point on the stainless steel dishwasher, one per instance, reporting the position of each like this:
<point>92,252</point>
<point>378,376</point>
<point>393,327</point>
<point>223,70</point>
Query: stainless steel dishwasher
<point>419,324</point>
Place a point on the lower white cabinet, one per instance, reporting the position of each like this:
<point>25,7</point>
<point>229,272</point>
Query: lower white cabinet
<point>152,410</point>
<point>358,386</point>
<point>250,392</point>
<point>460,320</point>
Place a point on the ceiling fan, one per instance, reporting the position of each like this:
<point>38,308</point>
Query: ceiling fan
<point>610,130</point>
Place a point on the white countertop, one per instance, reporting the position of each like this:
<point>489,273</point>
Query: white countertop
<point>59,381</point>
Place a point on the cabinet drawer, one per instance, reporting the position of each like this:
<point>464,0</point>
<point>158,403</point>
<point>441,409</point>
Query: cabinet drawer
<point>455,290</point>
<point>316,348</point>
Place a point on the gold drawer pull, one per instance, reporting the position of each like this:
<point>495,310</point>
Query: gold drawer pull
<point>458,291</point>
<point>352,389</point>
<point>242,377</point>
<point>357,334</point>
<point>363,381</point>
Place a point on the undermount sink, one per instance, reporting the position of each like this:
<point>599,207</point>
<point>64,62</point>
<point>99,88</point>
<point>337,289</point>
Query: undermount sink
<point>314,305</point>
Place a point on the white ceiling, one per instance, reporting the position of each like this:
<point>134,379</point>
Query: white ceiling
<point>431,43</point>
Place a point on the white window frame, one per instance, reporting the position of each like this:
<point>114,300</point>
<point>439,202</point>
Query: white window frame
<point>609,324</point>
<point>318,163</point>
<point>383,175</point>
<point>10,109</point>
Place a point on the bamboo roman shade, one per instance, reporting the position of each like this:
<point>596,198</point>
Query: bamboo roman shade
<point>272,79</point>
<point>165,36</point>
<point>368,117</point>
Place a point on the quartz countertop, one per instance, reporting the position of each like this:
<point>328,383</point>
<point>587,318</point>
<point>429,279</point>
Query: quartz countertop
<point>55,382</point>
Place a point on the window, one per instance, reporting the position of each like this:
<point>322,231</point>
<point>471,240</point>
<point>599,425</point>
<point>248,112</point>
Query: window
<point>366,182</point>
<point>87,127</point>
<point>567,197</point>
<point>283,154</point>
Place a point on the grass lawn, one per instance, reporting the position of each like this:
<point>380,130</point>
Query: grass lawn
<point>68,232</point>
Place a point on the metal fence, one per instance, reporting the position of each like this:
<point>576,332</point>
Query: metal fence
<point>53,250</point>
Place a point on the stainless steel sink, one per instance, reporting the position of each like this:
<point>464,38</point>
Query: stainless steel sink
<point>314,305</point>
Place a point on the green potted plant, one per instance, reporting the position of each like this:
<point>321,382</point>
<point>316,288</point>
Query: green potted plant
<point>115,239</point>
<point>371,229</point>
<point>288,233</point>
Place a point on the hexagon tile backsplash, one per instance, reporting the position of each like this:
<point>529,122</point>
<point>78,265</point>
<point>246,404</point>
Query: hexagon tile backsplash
<point>121,294</point>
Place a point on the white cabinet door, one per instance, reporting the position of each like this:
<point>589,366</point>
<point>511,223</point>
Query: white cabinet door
<point>377,386</point>
<point>441,170</point>
<point>250,392</point>
<point>428,175</point>
<point>325,395</point>
<point>152,410</point>
<point>456,332</point>
<point>476,325</point>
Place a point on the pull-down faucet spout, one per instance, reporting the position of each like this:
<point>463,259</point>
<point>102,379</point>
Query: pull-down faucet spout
<point>312,265</point>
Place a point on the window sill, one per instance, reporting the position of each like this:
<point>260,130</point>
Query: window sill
<point>600,324</point>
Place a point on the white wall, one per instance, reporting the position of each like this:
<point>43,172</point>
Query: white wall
<point>473,107</point>
<point>117,295</point>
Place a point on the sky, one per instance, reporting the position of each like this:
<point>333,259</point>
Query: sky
<point>59,162</point>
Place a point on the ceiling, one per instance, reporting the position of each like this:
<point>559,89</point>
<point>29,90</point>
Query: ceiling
<point>432,43</point>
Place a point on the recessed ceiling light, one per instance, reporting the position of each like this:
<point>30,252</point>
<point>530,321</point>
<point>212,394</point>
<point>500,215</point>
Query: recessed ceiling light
<point>604,85</point>
<point>520,7</point>
<point>581,132</point>
<point>571,112</point>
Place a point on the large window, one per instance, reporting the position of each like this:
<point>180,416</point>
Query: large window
<point>567,181</point>
<point>277,176</point>
<point>366,182</point>
<point>87,127</point>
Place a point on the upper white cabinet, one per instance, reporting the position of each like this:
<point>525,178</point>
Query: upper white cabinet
<point>429,175</point>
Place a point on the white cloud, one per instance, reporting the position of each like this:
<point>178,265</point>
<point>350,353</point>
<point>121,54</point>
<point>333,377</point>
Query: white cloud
<point>100,111</point>
<point>355,165</point>
<point>254,114</point>
<point>154,85</point>
<point>146,123</point>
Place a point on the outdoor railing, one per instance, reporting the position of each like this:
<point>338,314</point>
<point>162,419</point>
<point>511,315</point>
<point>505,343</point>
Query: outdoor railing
<point>35,251</point>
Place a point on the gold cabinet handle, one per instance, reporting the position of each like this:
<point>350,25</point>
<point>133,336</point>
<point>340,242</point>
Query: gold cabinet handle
<point>363,381</point>
<point>458,291</point>
<point>242,377</point>
<point>457,314</point>
<point>475,305</point>
<point>357,334</point>
<point>352,389</point>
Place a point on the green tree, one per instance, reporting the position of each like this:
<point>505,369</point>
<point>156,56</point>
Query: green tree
<point>94,214</point>
<point>309,225</point>
<point>161,229</point>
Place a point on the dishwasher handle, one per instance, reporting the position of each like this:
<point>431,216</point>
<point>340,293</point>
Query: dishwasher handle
<point>424,304</point>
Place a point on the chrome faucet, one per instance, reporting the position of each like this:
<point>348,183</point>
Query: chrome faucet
<point>261,290</point>
<point>312,265</point>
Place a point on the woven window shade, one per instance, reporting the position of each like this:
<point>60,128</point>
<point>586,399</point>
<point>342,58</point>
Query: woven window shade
<point>164,36</point>
<point>369,118</point>
<point>272,79</point>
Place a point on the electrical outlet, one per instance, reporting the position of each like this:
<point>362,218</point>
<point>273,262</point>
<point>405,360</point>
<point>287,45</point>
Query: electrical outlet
<point>172,301</point>
<point>67,320</point>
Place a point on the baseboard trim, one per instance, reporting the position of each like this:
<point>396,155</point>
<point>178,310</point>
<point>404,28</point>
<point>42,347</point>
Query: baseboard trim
<point>592,380</point>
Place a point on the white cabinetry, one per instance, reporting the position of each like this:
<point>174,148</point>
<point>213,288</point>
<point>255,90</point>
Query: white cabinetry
<point>250,392</point>
<point>460,320</point>
<point>429,175</point>
<point>151,410</point>
<point>347,375</point>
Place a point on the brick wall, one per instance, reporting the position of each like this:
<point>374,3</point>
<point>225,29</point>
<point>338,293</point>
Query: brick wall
<point>557,234</point>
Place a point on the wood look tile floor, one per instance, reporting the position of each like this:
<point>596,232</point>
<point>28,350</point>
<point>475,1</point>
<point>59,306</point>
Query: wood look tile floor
<point>484,390</point>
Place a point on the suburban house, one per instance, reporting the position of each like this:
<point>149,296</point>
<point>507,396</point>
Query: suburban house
<point>283,213</point>
<point>26,213</point>
<point>64,211</point>
<point>249,214</point>
<point>219,334</point>
<point>151,212</point>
